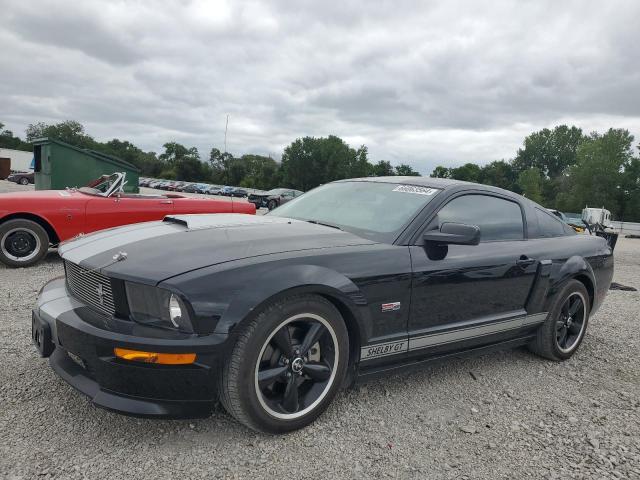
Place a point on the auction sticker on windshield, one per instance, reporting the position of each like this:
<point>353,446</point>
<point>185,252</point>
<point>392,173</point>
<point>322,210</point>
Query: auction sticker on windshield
<point>414,189</point>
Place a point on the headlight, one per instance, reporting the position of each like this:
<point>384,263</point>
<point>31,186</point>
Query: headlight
<point>156,306</point>
<point>176,310</point>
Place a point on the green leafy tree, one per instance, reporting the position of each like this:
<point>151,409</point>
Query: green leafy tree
<point>441,172</point>
<point>530,183</point>
<point>182,163</point>
<point>261,172</point>
<point>220,163</point>
<point>406,171</point>
<point>600,174</point>
<point>550,151</point>
<point>499,174</point>
<point>469,172</point>
<point>8,140</point>
<point>359,165</point>
<point>69,131</point>
<point>631,191</point>
<point>383,169</point>
<point>310,161</point>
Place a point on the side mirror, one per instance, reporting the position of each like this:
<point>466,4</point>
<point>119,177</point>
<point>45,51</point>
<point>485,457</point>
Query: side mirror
<point>453,234</point>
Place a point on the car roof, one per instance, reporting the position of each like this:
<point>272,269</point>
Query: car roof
<point>440,183</point>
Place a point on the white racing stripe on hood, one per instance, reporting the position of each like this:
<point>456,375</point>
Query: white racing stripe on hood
<point>86,247</point>
<point>82,248</point>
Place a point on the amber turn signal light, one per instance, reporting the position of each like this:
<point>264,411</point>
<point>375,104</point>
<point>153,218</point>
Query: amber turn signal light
<point>155,357</point>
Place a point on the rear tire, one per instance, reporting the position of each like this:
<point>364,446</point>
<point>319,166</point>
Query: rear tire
<point>24,181</point>
<point>564,329</point>
<point>22,242</point>
<point>287,365</point>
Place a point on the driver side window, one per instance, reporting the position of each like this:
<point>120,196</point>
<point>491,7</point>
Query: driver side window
<point>498,219</point>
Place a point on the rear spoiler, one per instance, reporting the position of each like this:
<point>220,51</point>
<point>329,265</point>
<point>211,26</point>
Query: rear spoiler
<point>599,230</point>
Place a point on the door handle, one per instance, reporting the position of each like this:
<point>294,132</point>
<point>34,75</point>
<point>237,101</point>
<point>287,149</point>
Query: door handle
<point>525,261</point>
<point>166,202</point>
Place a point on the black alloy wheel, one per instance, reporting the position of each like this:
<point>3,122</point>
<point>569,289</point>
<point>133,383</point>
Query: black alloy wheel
<point>296,366</point>
<point>287,364</point>
<point>571,322</point>
<point>559,337</point>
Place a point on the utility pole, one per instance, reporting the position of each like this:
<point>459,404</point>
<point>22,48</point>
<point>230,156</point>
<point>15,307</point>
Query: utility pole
<point>226,127</point>
<point>226,160</point>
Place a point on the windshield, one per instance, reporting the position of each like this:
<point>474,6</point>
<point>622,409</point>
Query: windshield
<point>374,210</point>
<point>101,185</point>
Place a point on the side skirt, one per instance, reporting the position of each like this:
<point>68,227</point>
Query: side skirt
<point>364,375</point>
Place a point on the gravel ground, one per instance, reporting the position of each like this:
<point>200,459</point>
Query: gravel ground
<point>502,415</point>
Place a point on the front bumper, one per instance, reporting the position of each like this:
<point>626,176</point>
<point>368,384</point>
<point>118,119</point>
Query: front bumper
<point>79,343</point>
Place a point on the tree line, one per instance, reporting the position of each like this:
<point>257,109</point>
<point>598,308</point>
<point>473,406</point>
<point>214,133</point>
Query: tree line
<point>566,169</point>
<point>306,163</point>
<point>561,168</point>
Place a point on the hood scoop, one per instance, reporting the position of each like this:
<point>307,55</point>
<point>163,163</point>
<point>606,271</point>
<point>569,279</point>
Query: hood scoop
<point>222,220</point>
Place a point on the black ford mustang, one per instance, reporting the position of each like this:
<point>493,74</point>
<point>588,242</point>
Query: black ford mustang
<point>274,314</point>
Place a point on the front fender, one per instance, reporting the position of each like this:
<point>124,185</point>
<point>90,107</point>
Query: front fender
<point>241,292</point>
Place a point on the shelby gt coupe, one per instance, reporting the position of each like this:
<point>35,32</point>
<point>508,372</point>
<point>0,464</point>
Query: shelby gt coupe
<point>274,314</point>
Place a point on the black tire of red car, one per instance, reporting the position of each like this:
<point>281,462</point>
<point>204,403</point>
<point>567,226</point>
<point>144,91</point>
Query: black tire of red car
<point>564,329</point>
<point>287,365</point>
<point>22,242</point>
<point>23,181</point>
<point>272,204</point>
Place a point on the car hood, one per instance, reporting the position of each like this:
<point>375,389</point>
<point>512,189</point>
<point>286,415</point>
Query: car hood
<point>155,251</point>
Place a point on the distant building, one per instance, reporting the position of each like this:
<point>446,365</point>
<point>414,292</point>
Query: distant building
<point>19,160</point>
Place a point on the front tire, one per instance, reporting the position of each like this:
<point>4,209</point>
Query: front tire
<point>24,181</point>
<point>272,204</point>
<point>22,242</point>
<point>563,331</point>
<point>287,365</point>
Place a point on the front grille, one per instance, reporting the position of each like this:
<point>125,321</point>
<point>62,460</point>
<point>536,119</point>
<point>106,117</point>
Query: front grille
<point>91,287</point>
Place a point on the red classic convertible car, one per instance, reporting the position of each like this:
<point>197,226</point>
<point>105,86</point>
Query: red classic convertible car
<point>31,222</point>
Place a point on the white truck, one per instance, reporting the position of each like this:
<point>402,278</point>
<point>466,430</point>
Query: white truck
<point>595,216</point>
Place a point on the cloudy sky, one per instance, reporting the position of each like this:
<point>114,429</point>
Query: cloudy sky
<point>424,83</point>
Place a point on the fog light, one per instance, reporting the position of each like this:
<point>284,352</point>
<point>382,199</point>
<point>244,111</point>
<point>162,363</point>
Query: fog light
<point>155,357</point>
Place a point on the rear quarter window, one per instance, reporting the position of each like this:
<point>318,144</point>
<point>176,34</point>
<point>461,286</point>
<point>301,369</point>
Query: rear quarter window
<point>550,226</point>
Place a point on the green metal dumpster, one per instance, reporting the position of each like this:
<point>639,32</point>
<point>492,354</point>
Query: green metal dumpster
<point>58,165</point>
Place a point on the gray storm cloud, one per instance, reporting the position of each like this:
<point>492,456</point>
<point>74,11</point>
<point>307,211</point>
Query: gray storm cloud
<point>418,82</point>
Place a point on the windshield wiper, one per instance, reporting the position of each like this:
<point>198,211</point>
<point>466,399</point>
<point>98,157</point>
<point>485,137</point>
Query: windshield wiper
<point>316,222</point>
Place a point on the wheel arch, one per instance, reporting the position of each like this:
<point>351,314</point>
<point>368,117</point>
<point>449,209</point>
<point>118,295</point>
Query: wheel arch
<point>44,223</point>
<point>280,283</point>
<point>575,268</point>
<point>346,308</point>
<point>589,285</point>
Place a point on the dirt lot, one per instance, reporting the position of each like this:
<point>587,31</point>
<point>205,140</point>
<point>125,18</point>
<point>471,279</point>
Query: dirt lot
<point>503,415</point>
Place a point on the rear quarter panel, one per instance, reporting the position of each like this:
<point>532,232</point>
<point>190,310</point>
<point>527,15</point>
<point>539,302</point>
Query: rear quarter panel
<point>577,256</point>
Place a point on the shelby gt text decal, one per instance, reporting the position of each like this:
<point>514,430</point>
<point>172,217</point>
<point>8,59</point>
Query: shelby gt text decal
<point>383,349</point>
